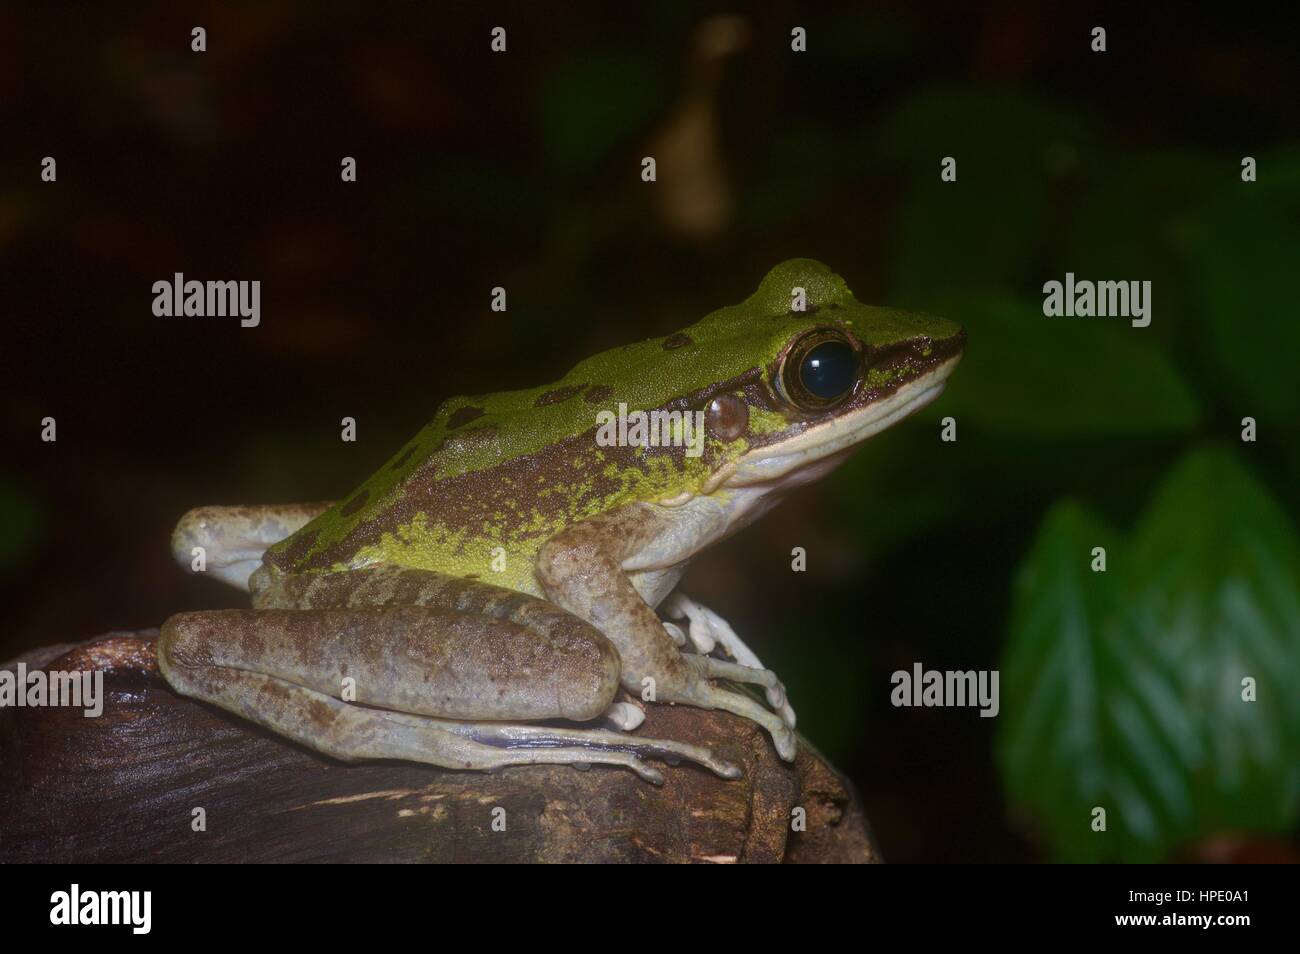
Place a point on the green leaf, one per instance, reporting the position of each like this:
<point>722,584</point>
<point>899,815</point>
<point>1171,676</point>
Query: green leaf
<point>1123,690</point>
<point>1052,744</point>
<point>1031,375</point>
<point>1244,245</point>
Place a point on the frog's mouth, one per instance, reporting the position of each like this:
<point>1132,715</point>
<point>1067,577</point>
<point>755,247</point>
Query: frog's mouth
<point>808,454</point>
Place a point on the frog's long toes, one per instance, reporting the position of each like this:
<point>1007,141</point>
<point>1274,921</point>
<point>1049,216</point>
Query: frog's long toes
<point>727,770</point>
<point>787,715</point>
<point>787,745</point>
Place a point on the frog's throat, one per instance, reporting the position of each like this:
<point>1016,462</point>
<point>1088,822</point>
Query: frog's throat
<point>834,437</point>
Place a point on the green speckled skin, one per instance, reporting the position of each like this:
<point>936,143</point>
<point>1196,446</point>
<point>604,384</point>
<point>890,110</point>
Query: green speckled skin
<point>509,470</point>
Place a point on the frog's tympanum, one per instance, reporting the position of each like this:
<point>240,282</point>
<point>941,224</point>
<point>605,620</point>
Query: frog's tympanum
<point>503,571</point>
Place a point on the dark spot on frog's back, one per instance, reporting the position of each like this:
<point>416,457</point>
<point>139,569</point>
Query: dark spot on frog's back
<point>464,416</point>
<point>598,394</point>
<point>355,504</point>
<point>679,340</point>
<point>558,395</point>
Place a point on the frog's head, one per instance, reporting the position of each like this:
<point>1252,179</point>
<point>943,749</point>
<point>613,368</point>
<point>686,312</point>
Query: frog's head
<point>831,372</point>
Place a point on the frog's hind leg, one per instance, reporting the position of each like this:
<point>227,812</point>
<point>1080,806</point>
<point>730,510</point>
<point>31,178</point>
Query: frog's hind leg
<point>354,733</point>
<point>431,685</point>
<point>233,539</point>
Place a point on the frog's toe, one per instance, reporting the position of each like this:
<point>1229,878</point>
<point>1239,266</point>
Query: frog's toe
<point>675,631</point>
<point>773,688</point>
<point>706,695</point>
<point>624,716</point>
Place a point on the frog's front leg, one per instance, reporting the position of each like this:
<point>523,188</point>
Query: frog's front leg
<point>708,630</point>
<point>417,683</point>
<point>582,570</point>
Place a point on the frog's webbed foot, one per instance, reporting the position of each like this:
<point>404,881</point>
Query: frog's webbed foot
<point>708,631</point>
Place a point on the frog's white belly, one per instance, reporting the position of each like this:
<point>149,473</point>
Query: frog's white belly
<point>691,527</point>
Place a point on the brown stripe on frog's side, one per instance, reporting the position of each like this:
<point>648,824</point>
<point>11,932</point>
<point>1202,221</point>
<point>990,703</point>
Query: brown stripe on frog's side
<point>488,502</point>
<point>598,394</point>
<point>580,478</point>
<point>289,552</point>
<point>679,340</point>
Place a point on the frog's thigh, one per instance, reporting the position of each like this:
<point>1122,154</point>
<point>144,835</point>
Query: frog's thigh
<point>282,669</point>
<point>233,539</point>
<point>415,659</point>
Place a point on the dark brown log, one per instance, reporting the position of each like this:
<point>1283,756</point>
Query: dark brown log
<point>124,786</point>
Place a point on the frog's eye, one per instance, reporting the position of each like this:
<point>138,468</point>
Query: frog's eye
<point>819,370</point>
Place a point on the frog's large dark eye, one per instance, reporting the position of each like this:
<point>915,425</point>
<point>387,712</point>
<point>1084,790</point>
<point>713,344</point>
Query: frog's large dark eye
<point>819,370</point>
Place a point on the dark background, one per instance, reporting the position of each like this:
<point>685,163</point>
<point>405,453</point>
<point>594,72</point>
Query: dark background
<point>522,170</point>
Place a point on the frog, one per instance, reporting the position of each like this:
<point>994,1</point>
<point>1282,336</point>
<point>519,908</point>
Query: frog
<point>491,597</point>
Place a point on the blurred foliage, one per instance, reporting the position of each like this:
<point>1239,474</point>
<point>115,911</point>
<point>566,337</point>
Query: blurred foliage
<point>20,524</point>
<point>1123,689</point>
<point>1244,250</point>
<point>1109,697</point>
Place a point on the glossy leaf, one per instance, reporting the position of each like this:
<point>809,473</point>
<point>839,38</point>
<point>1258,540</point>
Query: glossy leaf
<point>1124,689</point>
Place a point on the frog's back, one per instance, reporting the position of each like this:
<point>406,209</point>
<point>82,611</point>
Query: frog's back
<point>497,474</point>
<point>504,471</point>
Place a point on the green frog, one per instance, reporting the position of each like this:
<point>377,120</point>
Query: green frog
<point>505,571</point>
